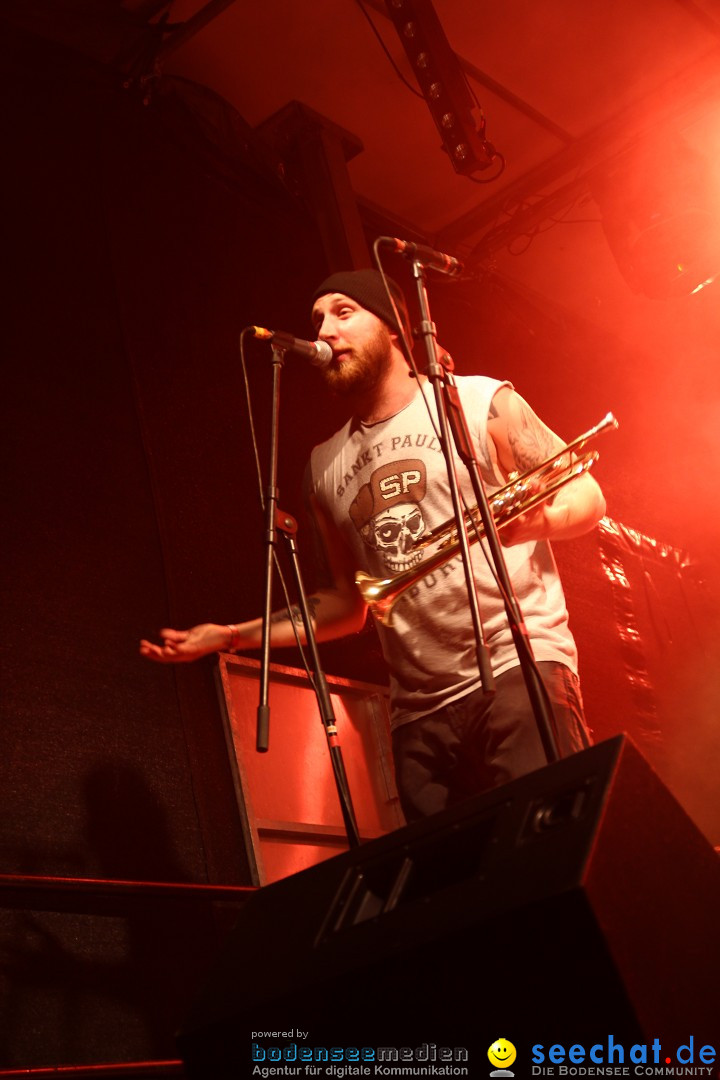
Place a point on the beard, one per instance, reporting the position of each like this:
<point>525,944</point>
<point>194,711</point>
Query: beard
<point>361,369</point>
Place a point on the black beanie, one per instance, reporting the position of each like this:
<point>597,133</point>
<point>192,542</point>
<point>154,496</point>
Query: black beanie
<point>367,288</point>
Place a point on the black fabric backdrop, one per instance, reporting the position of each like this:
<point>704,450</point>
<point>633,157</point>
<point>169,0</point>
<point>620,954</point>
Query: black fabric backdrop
<point>140,240</point>
<point>127,490</point>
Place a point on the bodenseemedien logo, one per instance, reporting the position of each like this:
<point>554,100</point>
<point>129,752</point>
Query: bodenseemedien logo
<point>502,1054</point>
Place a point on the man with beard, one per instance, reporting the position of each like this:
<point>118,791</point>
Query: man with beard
<point>375,489</point>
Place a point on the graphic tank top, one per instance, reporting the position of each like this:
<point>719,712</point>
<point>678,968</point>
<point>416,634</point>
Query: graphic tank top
<point>385,486</point>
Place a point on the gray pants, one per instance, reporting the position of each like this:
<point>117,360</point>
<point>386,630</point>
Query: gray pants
<point>480,742</point>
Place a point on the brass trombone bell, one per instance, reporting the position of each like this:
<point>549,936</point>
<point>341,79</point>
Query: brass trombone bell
<point>517,497</point>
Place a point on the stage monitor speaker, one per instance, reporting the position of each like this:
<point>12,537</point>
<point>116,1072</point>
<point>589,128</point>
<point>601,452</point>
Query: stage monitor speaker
<point>577,903</point>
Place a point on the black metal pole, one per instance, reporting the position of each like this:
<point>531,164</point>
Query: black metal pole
<point>436,375</point>
<point>276,521</point>
<point>450,413</point>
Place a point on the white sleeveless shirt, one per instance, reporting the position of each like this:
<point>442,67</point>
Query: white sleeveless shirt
<point>385,486</point>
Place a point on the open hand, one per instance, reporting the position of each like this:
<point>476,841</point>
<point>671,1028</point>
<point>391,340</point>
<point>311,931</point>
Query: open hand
<point>182,646</point>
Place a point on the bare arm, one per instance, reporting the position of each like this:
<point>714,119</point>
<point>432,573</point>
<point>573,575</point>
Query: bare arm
<point>521,442</point>
<point>336,609</point>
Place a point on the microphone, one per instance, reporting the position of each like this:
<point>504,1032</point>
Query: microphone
<point>434,260</point>
<point>317,352</point>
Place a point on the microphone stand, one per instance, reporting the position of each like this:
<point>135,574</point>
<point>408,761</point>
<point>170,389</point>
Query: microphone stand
<point>279,521</point>
<point>436,375</point>
<point>451,414</point>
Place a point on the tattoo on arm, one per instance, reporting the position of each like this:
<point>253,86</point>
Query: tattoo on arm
<point>294,613</point>
<point>313,603</point>
<point>530,440</point>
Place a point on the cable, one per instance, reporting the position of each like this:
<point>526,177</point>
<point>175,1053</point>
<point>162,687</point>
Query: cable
<point>258,472</point>
<point>505,233</point>
<point>248,400</point>
<point>407,348</point>
<point>385,49</point>
<point>498,174</point>
<point>480,538</point>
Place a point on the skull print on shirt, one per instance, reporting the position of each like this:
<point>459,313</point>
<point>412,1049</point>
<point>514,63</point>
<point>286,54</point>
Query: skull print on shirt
<point>387,512</point>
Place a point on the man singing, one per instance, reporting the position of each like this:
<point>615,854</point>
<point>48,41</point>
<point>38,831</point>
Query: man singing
<point>376,488</point>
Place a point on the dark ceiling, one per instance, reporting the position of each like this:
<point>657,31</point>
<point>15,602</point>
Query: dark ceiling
<point>563,88</point>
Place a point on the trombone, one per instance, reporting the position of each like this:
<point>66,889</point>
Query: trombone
<point>519,495</point>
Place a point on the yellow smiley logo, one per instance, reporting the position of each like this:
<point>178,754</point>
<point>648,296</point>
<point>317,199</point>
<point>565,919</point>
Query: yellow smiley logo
<point>502,1053</point>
